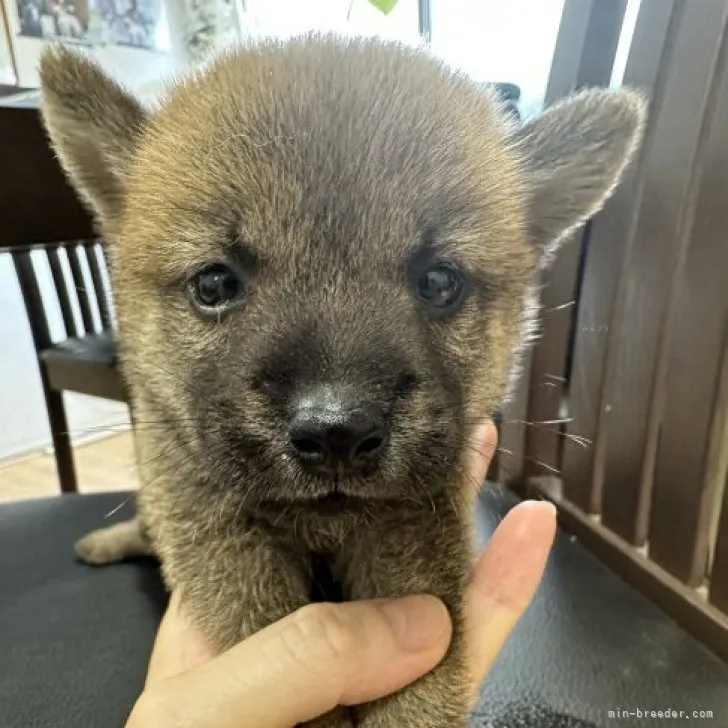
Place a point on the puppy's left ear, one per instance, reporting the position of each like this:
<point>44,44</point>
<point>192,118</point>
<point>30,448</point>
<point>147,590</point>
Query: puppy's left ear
<point>575,155</point>
<point>94,126</point>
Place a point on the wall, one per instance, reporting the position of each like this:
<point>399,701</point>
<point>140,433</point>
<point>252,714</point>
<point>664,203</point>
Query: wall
<point>490,40</point>
<point>284,18</point>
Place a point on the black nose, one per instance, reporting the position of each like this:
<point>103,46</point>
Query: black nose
<point>330,431</point>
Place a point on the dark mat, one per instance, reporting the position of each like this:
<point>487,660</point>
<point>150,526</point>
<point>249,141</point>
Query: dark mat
<point>74,641</point>
<point>592,652</point>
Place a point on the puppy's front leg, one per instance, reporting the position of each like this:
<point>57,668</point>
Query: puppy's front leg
<point>430,554</point>
<point>114,543</point>
<point>235,586</point>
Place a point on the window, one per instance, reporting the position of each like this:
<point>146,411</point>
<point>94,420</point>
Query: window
<point>493,40</point>
<point>283,18</point>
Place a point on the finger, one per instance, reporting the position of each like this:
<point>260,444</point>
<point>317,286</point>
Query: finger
<point>506,579</point>
<point>303,666</point>
<point>179,645</point>
<point>482,446</point>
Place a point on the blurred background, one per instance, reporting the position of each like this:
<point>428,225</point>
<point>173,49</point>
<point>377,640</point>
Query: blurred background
<point>146,42</point>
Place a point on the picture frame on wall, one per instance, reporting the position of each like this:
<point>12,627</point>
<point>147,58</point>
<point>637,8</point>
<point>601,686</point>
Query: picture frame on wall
<point>8,73</point>
<point>133,23</point>
<point>67,20</point>
<point>131,39</point>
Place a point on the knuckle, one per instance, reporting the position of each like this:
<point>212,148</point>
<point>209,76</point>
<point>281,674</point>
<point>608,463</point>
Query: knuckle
<point>327,631</point>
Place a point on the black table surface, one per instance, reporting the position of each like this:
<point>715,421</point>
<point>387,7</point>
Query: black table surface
<point>74,640</point>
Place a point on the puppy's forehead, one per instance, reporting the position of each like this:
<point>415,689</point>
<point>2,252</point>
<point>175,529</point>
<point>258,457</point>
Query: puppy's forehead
<point>283,145</point>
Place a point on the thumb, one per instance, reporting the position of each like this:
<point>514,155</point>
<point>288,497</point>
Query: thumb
<point>322,656</point>
<point>480,449</point>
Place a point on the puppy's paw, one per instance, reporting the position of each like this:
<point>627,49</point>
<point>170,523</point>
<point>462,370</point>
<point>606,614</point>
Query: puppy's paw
<point>98,548</point>
<point>112,544</point>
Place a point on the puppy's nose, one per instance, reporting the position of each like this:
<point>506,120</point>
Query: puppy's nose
<point>329,431</point>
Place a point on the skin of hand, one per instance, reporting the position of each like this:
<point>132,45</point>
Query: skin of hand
<point>326,655</point>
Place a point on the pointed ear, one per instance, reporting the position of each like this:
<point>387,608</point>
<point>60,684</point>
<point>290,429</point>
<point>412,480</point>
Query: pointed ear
<point>576,152</point>
<point>93,124</point>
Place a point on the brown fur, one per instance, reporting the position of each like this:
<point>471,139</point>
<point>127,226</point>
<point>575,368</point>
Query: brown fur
<point>324,170</point>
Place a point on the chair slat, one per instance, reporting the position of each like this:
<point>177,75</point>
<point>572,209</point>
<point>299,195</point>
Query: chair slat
<point>104,255</point>
<point>32,298</point>
<point>719,572</point>
<point>586,46</point>
<point>107,269</point>
<point>584,55</point>
<point>611,233</point>
<point>84,299</point>
<point>630,425</point>
<point>549,363</point>
<point>64,299</point>
<point>692,423</point>
<point>102,295</point>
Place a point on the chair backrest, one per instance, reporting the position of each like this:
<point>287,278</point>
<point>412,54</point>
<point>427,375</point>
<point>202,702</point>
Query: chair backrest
<point>77,273</point>
<point>627,393</point>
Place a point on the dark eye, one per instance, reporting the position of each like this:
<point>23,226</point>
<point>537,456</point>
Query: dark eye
<point>440,287</point>
<point>215,286</point>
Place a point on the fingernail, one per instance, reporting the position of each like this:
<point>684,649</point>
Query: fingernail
<point>419,622</point>
<point>511,569</point>
<point>535,526</point>
<point>534,515</point>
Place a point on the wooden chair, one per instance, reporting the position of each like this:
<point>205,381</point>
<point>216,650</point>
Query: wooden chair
<point>37,209</point>
<point>84,360</point>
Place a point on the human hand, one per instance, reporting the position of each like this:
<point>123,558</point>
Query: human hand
<point>345,654</point>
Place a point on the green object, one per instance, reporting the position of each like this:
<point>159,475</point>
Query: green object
<point>384,5</point>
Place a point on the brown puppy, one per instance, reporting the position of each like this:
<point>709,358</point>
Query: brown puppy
<point>323,253</point>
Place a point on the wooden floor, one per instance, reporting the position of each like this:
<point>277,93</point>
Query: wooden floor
<point>103,465</point>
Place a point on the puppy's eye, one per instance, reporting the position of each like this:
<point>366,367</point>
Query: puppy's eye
<point>215,286</point>
<point>440,287</point>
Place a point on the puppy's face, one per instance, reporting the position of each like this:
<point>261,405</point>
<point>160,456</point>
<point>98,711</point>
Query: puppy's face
<point>322,252</point>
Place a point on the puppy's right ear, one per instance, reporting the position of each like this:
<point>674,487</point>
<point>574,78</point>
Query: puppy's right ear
<point>94,126</point>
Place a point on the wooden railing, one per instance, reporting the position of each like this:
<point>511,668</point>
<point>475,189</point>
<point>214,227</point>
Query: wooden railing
<point>627,393</point>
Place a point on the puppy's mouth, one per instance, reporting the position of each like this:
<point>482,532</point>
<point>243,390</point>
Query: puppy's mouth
<point>334,501</point>
<point>340,487</point>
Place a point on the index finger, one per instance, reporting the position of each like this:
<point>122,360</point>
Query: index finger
<point>304,665</point>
